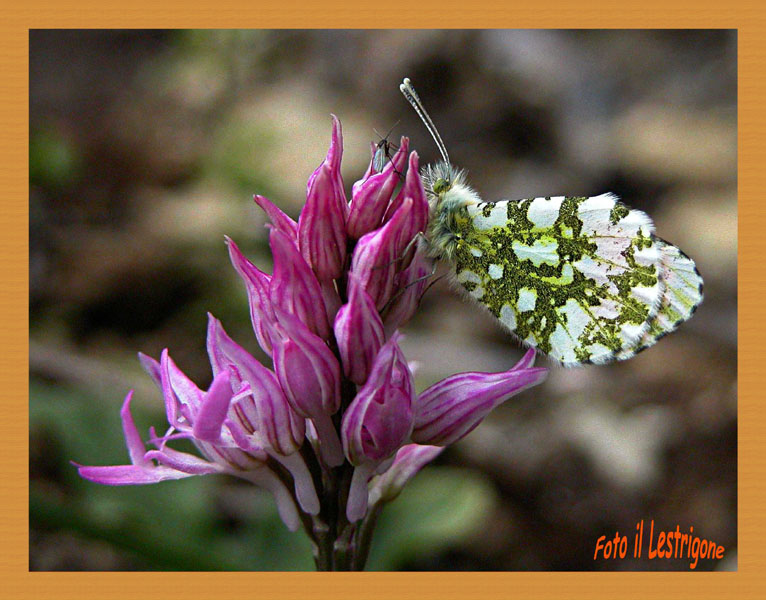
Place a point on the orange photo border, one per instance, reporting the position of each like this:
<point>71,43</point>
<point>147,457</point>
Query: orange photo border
<point>18,582</point>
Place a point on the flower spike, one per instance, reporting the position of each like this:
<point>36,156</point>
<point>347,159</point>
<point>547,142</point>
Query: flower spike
<point>332,427</point>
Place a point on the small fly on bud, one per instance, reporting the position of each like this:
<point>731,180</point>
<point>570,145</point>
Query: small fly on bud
<point>383,152</point>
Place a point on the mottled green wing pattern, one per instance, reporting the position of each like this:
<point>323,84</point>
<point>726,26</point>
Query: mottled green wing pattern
<point>579,278</point>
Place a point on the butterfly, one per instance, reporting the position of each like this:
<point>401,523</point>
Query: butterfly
<point>582,279</point>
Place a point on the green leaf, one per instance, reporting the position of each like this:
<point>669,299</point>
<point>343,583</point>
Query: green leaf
<point>439,509</point>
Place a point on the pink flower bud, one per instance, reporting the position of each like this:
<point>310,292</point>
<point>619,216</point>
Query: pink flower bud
<point>309,374</point>
<point>417,221</point>
<point>371,199</point>
<point>411,284</point>
<point>376,257</point>
<point>379,419</point>
<point>322,224</point>
<point>294,287</point>
<point>377,422</point>
<point>413,188</point>
<point>279,219</point>
<point>258,285</point>
<point>306,368</point>
<point>359,333</point>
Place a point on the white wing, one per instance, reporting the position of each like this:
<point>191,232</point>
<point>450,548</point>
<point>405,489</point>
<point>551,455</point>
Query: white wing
<point>576,277</point>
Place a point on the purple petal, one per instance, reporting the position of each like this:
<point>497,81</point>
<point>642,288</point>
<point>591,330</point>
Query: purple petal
<point>409,460</point>
<point>417,220</point>
<point>368,173</point>
<point>183,398</point>
<point>305,492</point>
<point>209,420</point>
<point>258,285</point>
<point>218,360</point>
<point>172,405</point>
<point>334,154</point>
<point>279,219</point>
<point>129,474</point>
<point>294,288</point>
<point>371,199</point>
<point>267,408</point>
<point>330,447</point>
<point>152,367</point>
<point>159,441</point>
<point>359,333</point>
<point>136,448</point>
<point>245,441</point>
<point>453,407</point>
<point>358,494</point>
<point>184,462</point>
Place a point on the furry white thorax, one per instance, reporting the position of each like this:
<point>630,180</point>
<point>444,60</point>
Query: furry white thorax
<point>447,193</point>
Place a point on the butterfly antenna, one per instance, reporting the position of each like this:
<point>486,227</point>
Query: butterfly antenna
<point>413,98</point>
<point>385,137</point>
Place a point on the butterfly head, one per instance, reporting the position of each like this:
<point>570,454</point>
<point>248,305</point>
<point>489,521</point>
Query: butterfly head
<point>446,187</point>
<point>448,194</point>
<point>438,179</point>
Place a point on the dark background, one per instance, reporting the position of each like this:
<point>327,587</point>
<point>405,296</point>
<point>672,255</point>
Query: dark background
<point>146,148</point>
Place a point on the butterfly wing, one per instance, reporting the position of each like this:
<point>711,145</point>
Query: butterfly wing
<point>578,278</point>
<point>681,296</point>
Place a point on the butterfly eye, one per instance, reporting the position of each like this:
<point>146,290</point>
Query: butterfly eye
<point>440,186</point>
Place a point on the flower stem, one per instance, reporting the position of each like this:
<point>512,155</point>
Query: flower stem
<point>363,538</point>
<point>335,538</point>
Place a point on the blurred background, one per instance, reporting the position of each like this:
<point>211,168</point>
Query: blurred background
<point>146,148</point>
